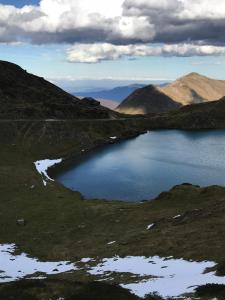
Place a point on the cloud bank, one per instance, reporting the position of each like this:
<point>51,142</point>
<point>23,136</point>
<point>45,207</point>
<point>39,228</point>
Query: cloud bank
<point>93,53</point>
<point>99,30</point>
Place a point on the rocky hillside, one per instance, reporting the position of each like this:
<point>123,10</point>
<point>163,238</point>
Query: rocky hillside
<point>208,115</point>
<point>147,100</point>
<point>26,96</point>
<point>195,88</point>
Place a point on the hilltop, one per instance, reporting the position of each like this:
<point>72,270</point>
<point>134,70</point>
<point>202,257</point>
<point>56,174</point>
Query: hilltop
<point>146,100</point>
<point>190,89</point>
<point>195,88</point>
<point>26,96</point>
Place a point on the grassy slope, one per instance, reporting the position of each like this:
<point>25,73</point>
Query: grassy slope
<point>208,115</point>
<point>62,226</point>
<point>26,96</point>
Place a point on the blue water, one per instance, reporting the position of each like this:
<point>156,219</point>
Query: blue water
<point>141,168</point>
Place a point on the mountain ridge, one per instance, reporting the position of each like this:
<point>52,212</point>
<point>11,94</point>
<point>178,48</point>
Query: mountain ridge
<point>195,88</point>
<point>192,88</point>
<point>27,96</point>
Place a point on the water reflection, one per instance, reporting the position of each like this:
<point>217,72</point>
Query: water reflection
<point>143,167</point>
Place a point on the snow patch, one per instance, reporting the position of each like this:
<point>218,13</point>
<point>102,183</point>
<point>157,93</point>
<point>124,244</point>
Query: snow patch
<point>150,226</point>
<point>111,243</point>
<point>177,217</point>
<point>113,137</point>
<point>86,260</point>
<point>169,277</point>
<point>14,267</point>
<point>42,167</point>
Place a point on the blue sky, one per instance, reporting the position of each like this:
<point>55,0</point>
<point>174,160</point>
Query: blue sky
<point>49,61</point>
<point>19,3</point>
<point>68,54</point>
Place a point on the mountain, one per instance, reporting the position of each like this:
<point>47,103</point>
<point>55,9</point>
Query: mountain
<point>195,88</point>
<point>26,96</point>
<point>148,99</point>
<point>190,89</point>
<point>208,115</point>
<point>116,94</point>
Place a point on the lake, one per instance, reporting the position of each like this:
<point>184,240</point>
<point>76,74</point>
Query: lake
<point>143,167</point>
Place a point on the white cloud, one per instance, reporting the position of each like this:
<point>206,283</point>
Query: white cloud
<point>190,50</point>
<point>203,9</point>
<point>147,7</point>
<point>191,9</point>
<point>119,28</point>
<point>72,21</point>
<point>93,53</point>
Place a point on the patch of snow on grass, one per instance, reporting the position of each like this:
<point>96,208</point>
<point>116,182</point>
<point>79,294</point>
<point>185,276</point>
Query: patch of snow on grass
<point>113,137</point>
<point>14,267</point>
<point>110,243</point>
<point>150,226</point>
<point>177,217</point>
<point>86,260</point>
<point>42,167</point>
<point>170,277</point>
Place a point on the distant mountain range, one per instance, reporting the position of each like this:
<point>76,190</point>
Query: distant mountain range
<point>26,96</point>
<point>116,94</point>
<point>190,89</point>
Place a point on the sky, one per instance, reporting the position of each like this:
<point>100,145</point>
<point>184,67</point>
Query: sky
<point>123,40</point>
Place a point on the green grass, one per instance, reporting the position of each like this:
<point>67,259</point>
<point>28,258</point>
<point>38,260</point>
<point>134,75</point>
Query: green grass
<point>211,291</point>
<point>60,225</point>
<point>61,289</point>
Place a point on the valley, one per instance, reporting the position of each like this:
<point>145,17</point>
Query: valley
<point>112,150</point>
<point>51,223</point>
<point>61,226</point>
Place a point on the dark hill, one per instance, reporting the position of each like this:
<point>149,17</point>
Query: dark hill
<point>146,100</point>
<point>26,96</point>
<point>207,115</point>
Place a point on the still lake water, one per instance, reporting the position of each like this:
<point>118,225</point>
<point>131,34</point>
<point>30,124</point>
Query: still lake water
<point>145,166</point>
